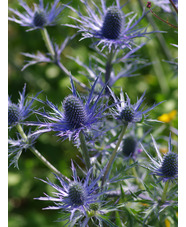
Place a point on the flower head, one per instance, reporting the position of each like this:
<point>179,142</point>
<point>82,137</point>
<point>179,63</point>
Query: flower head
<point>76,115</point>
<point>129,146</point>
<point>39,17</point>
<point>74,195</point>
<point>128,113</point>
<point>167,167</point>
<point>109,25</point>
<point>17,113</point>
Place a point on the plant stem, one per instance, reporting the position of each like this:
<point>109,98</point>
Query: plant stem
<point>84,150</point>
<point>164,21</point>
<point>48,42</point>
<point>164,194</point>
<point>137,178</point>
<point>175,8</point>
<point>50,48</point>
<point>108,70</point>
<point>36,152</point>
<point>109,165</point>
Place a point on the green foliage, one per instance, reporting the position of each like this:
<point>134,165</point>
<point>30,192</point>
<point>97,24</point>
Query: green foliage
<point>157,79</point>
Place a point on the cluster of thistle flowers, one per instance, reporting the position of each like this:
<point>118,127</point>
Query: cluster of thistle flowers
<point>101,124</point>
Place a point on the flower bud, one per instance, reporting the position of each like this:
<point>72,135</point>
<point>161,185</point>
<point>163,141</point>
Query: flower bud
<point>13,115</point>
<point>75,112</point>
<point>112,24</point>
<point>77,194</point>
<point>170,165</point>
<point>129,146</point>
<point>127,114</point>
<point>39,19</point>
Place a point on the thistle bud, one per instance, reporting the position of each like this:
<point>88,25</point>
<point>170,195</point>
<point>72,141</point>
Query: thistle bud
<point>129,146</point>
<point>127,114</point>
<point>112,24</point>
<point>77,194</point>
<point>75,112</point>
<point>170,165</point>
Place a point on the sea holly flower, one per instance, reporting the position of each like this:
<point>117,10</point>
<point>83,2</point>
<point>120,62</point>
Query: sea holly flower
<point>39,17</point>
<point>77,115</point>
<point>129,146</point>
<point>125,112</point>
<point>74,195</point>
<point>17,113</point>
<point>166,167</point>
<point>109,25</point>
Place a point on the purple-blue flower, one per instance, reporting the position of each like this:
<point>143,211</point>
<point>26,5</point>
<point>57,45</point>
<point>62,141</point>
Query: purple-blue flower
<point>109,25</point>
<point>79,114</point>
<point>126,112</point>
<point>17,113</point>
<point>166,167</point>
<point>38,17</point>
<point>74,195</point>
<point>130,147</point>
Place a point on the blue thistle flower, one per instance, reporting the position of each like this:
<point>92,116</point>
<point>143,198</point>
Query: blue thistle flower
<point>128,113</point>
<point>17,113</point>
<point>77,115</point>
<point>39,17</point>
<point>167,167</point>
<point>74,111</point>
<point>109,25</point>
<point>74,195</point>
<point>129,146</point>
<point>112,24</point>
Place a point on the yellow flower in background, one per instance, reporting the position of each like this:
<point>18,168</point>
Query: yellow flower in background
<point>163,150</point>
<point>167,117</point>
<point>167,223</point>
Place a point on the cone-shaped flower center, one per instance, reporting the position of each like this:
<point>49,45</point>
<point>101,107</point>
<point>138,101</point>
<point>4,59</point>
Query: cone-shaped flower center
<point>13,115</point>
<point>77,194</point>
<point>39,19</point>
<point>170,165</point>
<point>127,114</point>
<point>75,112</point>
<point>129,146</point>
<point>112,24</point>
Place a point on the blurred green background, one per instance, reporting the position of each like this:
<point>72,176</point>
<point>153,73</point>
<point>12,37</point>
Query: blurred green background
<point>159,80</point>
